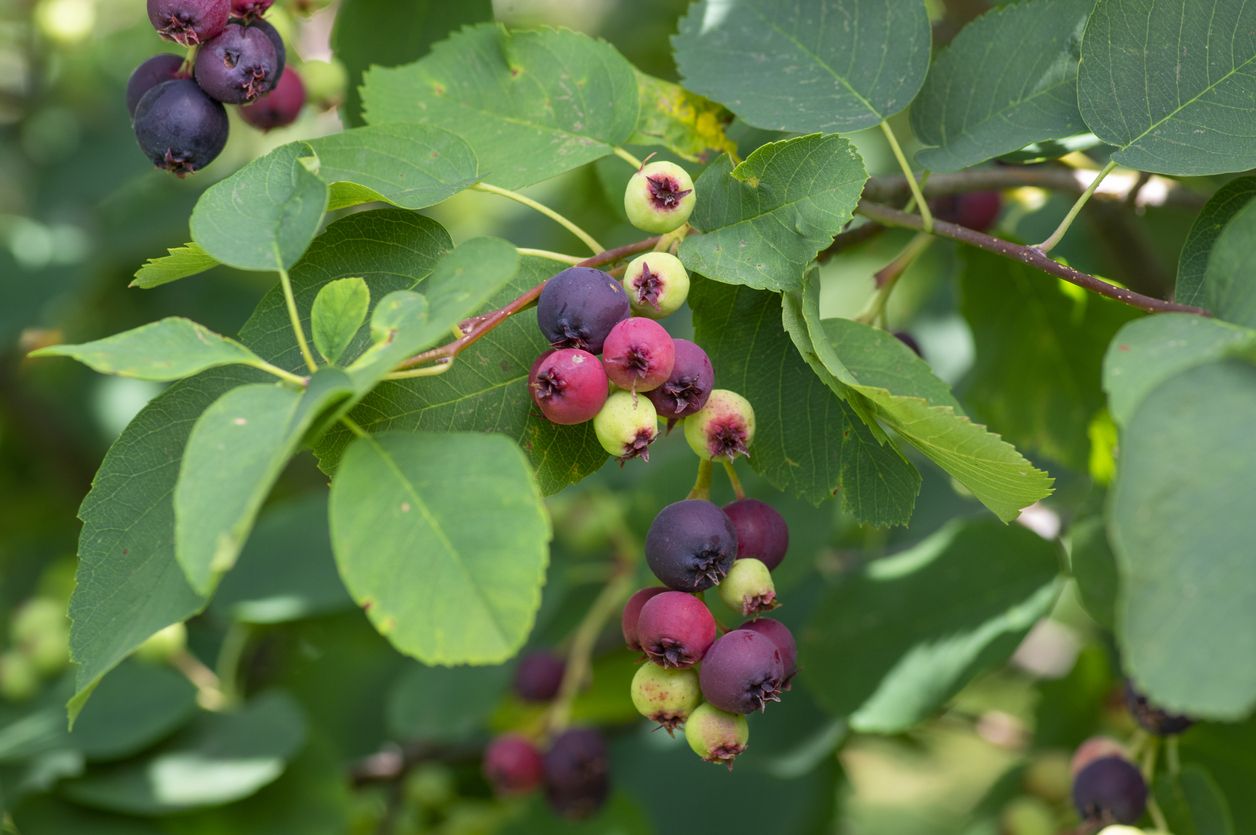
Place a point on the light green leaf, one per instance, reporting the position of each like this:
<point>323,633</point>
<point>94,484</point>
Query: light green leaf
<point>442,538</point>
<point>1192,803</point>
<point>766,219</point>
<point>1169,82</point>
<point>1224,204</point>
<point>530,104</point>
<point>684,122</point>
<point>806,65</point>
<point>877,358</point>
<point>891,644</point>
<point>263,216</point>
<point>339,310</point>
<point>1094,569</point>
<point>180,263</point>
<point>1229,289</point>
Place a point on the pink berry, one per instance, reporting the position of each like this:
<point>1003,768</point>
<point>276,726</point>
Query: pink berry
<point>512,765</point>
<point>632,612</point>
<point>675,629</point>
<point>638,355</point>
<point>568,385</point>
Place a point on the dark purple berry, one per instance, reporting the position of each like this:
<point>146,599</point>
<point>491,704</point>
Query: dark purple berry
<point>159,68</point>
<point>910,341</point>
<point>238,66</point>
<point>675,629</point>
<point>977,210</point>
<point>538,676</point>
<point>761,532</point>
<point>1110,790</point>
<point>1097,747</point>
<point>632,611</point>
<point>250,9</point>
<point>779,634</point>
<point>569,386</point>
<point>742,672</point>
<point>1151,718</point>
<point>691,545</point>
<point>638,354</point>
<point>278,108</point>
<point>577,774</point>
<point>276,40</point>
<point>189,22</point>
<point>512,765</point>
<point>180,128</point>
<point>579,306</point>
<point>686,390</point>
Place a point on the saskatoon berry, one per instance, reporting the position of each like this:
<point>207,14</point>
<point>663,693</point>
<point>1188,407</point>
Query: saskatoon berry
<point>659,197</point>
<point>976,210</point>
<point>159,68</point>
<point>238,66</point>
<point>569,385</point>
<point>687,389</point>
<point>1151,718</point>
<point>278,108</point>
<point>249,9</point>
<point>276,40</point>
<point>1093,749</point>
<point>716,735</point>
<point>512,765</point>
<point>723,428</point>
<point>626,426</point>
<point>675,629</point>
<point>179,127</point>
<point>538,676</point>
<point>189,22</point>
<point>910,341</point>
<point>1110,790</point>
<point>691,545</point>
<point>577,773</point>
<point>657,284</point>
<point>665,696</point>
<point>761,532</point>
<point>742,672</point>
<point>780,635</point>
<point>579,306</point>
<point>748,588</point>
<point>632,612</point>
<point>638,355</point>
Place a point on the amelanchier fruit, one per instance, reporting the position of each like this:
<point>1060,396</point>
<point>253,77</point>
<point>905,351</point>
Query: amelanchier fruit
<point>626,426</point>
<point>638,355</point>
<point>691,545</point>
<point>659,197</point>
<point>761,531</point>
<point>578,307</point>
<point>512,765</point>
<point>632,613</point>
<point>723,428</point>
<point>1093,749</point>
<point>189,22</point>
<point>666,695</point>
<point>688,387</point>
<point>249,9</point>
<point>276,40</point>
<point>1109,789</point>
<point>539,676</point>
<point>715,735</point>
<point>577,773</point>
<point>742,672</point>
<point>278,108</point>
<point>675,630</point>
<point>569,385</point>
<point>238,66</point>
<point>179,127</point>
<point>159,68</point>
<point>657,284</point>
<point>748,588</point>
<point>780,635</point>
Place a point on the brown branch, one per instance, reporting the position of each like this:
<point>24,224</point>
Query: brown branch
<point>1026,255</point>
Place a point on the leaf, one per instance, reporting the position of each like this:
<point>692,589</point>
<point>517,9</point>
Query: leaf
<point>236,451</point>
<point>1224,204</point>
<point>1228,752</point>
<point>263,216</point>
<point>685,123</point>
<point>442,538</point>
<point>622,815</point>
<point>339,310</point>
<point>846,64</point>
<point>1192,803</point>
<point>45,815</point>
<point>169,349</point>
<point>135,706</point>
<point>878,358</point>
<point>219,758</point>
<point>411,166</point>
<point>893,642</point>
<point>1094,569</point>
<point>1008,79</point>
<point>182,262</point>
<point>1229,289</point>
<point>1169,82</point>
<point>763,224</point>
<point>530,104</point>
<point>445,704</point>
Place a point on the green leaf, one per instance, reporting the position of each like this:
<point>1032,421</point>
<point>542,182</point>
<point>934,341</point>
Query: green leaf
<point>846,64</point>
<point>1228,752</point>
<point>445,704</point>
<point>1217,212</point>
<point>1008,79</point>
<point>237,449</point>
<point>1169,82</point>
<point>1094,569</point>
<point>442,538</point>
<point>263,216</point>
<point>182,262</point>
<point>339,310</point>
<point>1229,289</point>
<point>878,358</point>
<point>1192,803</point>
<point>893,642</point>
<point>530,104</point>
<point>169,349</point>
<point>219,758</point>
<point>132,708</point>
<point>45,815</point>
<point>687,124</point>
<point>766,222</point>
<point>411,166</point>
<point>622,815</point>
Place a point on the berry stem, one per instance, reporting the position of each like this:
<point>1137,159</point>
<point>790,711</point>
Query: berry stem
<point>442,365</point>
<point>545,210</point>
<point>702,487</point>
<point>629,158</point>
<point>287,376</point>
<point>545,253</point>
<point>887,279</point>
<point>208,694</point>
<point>1149,773</point>
<point>293,315</point>
<point>228,664</point>
<point>1171,755</point>
<point>353,426</point>
<point>1050,242</point>
<point>925,215</point>
<point>732,476</point>
<point>911,204</point>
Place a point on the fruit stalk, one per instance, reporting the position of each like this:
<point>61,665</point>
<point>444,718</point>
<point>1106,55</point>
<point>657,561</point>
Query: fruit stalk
<point>545,210</point>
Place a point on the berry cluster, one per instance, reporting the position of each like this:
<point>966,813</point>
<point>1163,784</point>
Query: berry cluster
<point>234,57</point>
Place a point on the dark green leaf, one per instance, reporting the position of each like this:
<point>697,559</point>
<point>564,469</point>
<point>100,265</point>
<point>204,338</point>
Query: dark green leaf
<point>1228,752</point>
<point>445,704</point>
<point>1192,803</point>
<point>683,122</point>
<point>133,707</point>
<point>339,310</point>
<point>877,358</point>
<point>180,263</point>
<point>1229,289</point>
<point>1217,212</point>
<point>1094,569</point>
<point>622,815</point>
<point>45,815</point>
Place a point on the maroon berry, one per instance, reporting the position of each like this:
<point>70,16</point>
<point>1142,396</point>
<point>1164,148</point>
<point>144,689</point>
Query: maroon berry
<point>687,388</point>
<point>977,210</point>
<point>779,634</point>
<point>512,765</point>
<point>910,341</point>
<point>691,545</point>
<point>675,629</point>
<point>538,676</point>
<point>180,128</point>
<point>1110,790</point>
<point>761,532</point>
<point>742,672</point>
<point>238,66</point>
<point>632,611</point>
<point>278,108</point>
<point>578,307</point>
<point>1151,718</point>
<point>569,385</point>
<point>155,70</point>
<point>249,9</point>
<point>189,22</point>
<point>577,773</point>
<point>638,354</point>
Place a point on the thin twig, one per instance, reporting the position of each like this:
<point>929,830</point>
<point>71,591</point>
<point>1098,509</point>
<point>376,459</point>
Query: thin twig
<point>293,316</point>
<point>543,209</point>
<point>926,216</point>
<point>1058,234</point>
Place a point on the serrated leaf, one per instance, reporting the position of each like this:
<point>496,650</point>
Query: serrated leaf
<point>1220,209</point>
<point>1192,803</point>
<point>263,216</point>
<point>892,643</point>
<point>182,262</point>
<point>766,219</point>
<point>1169,82</point>
<point>878,358</point>
<point>1229,288</point>
<point>684,122</point>
<point>339,310</point>
<point>530,104</point>
<point>846,64</point>
<point>1008,79</point>
<point>443,539</point>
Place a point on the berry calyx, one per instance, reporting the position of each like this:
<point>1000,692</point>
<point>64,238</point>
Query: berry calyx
<point>626,426</point>
<point>657,284</point>
<point>659,197</point>
<point>1093,749</point>
<point>748,588</point>
<point>761,531</point>
<point>638,355</point>
<point>189,22</point>
<point>666,696</point>
<point>179,127</point>
<point>1151,718</point>
<point>688,387</point>
<point>512,765</point>
<point>569,385</point>
<point>723,428</point>
<point>715,735</point>
<point>742,672</point>
<point>276,40</point>
<point>632,613</point>
<point>1110,790</point>
<point>577,773</point>
<point>691,545</point>
<point>675,630</point>
<point>238,66</point>
<point>249,9</point>
<point>578,307</point>
<point>278,108</point>
<point>159,68</point>
<point>779,634</point>
<point>539,676</point>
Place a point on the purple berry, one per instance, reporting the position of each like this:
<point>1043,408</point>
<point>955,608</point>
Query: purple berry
<point>1151,718</point>
<point>632,612</point>
<point>278,108</point>
<point>276,40</point>
<point>159,68</point>
<point>779,634</point>
<point>250,9</point>
<point>761,532</point>
<point>976,210</point>
<point>688,386</point>
<point>691,545</point>
<point>910,341</point>
<point>569,385</point>
<point>579,306</point>
<point>1095,748</point>
<point>742,672</point>
<point>238,66</point>
<point>512,765</point>
<point>180,128</point>
<point>1110,790</point>
<point>577,774</point>
<point>189,22</point>
<point>675,629</point>
<point>538,676</point>
<point>638,354</point>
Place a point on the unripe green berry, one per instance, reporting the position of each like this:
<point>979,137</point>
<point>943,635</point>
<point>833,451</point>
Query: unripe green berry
<point>716,735</point>
<point>164,645</point>
<point>666,695</point>
<point>41,632</point>
<point>723,428</point>
<point>1027,816</point>
<point>325,83</point>
<point>748,588</point>
<point>19,680</point>
<point>626,426</point>
<point>659,197</point>
<point>657,284</point>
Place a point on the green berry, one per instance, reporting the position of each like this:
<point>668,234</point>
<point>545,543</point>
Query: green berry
<point>657,285</point>
<point>41,632</point>
<point>626,426</point>
<point>716,735</point>
<point>666,696</point>
<point>164,645</point>
<point>748,588</point>
<point>325,83</point>
<point>19,679</point>
<point>723,428</point>
<point>659,197</point>
<point>1027,816</point>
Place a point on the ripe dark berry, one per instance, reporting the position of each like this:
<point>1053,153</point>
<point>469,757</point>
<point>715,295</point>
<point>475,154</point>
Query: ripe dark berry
<point>742,672</point>
<point>189,22</point>
<point>180,128</point>
<point>977,210</point>
<point>1109,790</point>
<point>779,634</point>
<point>632,612</point>
<point>276,40</point>
<point>910,341</point>
<point>538,676</point>
<point>569,386</point>
<point>657,284</point>
<point>278,108</point>
<point>159,68</point>
<point>638,354</point>
<point>659,197</point>
<point>512,765</point>
<point>666,696</point>
<point>723,428</point>
<point>675,629</point>
<point>691,545</point>
<point>238,66</point>
<point>577,773</point>
<point>715,735</point>
<point>626,426</point>
<point>578,307</point>
<point>686,390</point>
<point>761,531</point>
<point>249,9</point>
<point>748,588</point>
<point>1151,718</point>
<point>1093,749</point>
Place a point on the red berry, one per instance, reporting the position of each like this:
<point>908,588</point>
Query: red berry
<point>539,676</point>
<point>278,108</point>
<point>189,22</point>
<point>675,629</point>
<point>569,386</point>
<point>632,612</point>
<point>512,765</point>
<point>249,9</point>
<point>638,354</point>
<point>761,531</point>
<point>977,210</point>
